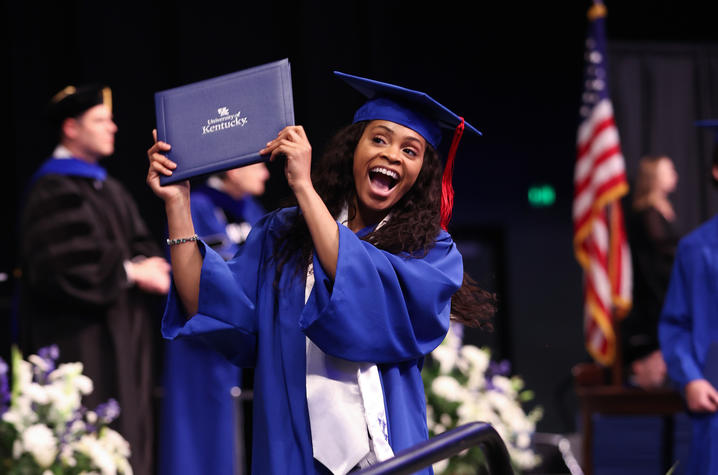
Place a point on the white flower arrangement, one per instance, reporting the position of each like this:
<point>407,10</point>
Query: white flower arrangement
<point>463,385</point>
<point>44,429</point>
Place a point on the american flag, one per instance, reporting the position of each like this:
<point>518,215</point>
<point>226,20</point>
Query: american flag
<point>599,234</point>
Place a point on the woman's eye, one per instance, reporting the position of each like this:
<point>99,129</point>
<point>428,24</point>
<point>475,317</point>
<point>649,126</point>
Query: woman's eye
<point>378,140</point>
<point>410,151</point>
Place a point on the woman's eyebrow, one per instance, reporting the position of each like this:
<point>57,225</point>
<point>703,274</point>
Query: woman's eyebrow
<point>392,132</point>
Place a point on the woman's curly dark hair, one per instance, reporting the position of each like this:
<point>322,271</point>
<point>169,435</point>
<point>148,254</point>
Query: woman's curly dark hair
<point>412,229</point>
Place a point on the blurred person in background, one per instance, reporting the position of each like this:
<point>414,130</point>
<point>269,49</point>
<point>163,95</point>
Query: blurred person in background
<point>92,276</point>
<point>653,239</point>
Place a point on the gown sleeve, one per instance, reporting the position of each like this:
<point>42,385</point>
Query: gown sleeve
<point>142,242</point>
<point>226,316</point>
<point>382,307</point>
<point>68,254</point>
<point>675,329</point>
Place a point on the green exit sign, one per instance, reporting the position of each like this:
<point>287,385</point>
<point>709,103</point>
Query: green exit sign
<point>541,196</point>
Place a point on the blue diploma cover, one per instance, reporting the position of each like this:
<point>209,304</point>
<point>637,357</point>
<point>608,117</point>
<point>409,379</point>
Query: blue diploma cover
<point>223,122</point>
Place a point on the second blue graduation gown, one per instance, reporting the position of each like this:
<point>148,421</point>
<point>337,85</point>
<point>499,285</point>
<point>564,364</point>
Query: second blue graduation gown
<point>688,325</point>
<point>198,430</point>
<point>387,309</point>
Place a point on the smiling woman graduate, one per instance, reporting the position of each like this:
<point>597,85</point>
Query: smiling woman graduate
<point>335,302</point>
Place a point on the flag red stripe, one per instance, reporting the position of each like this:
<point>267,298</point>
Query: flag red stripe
<point>600,127</point>
<point>604,188</point>
<point>591,292</point>
<point>604,156</point>
<point>595,252</point>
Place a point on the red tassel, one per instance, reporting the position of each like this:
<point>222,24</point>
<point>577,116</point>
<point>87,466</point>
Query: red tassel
<point>447,189</point>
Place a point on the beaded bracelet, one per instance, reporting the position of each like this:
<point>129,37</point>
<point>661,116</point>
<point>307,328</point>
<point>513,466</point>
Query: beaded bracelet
<point>172,242</point>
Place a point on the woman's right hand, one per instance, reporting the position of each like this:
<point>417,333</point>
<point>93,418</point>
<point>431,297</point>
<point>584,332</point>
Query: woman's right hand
<point>161,165</point>
<point>186,258</point>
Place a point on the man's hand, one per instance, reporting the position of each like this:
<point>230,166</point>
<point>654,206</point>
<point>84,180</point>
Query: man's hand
<point>151,275</point>
<point>701,396</point>
<point>650,371</point>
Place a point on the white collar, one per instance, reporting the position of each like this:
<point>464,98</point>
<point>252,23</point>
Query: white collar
<point>215,182</point>
<point>61,152</point>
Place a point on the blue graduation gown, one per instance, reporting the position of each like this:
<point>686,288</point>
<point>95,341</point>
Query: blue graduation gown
<point>383,308</point>
<point>688,324</point>
<point>197,430</point>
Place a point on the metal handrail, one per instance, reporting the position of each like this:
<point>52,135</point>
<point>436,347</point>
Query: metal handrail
<point>447,445</point>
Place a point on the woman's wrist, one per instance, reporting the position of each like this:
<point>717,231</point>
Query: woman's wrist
<point>177,203</point>
<point>304,190</point>
<point>179,217</point>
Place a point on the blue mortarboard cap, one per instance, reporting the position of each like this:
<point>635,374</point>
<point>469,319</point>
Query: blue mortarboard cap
<point>413,109</point>
<point>419,112</point>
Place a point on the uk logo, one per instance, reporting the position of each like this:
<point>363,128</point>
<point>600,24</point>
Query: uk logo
<point>223,111</point>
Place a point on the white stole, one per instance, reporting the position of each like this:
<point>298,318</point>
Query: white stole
<point>346,404</point>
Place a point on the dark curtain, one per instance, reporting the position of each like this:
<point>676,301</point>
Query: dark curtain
<point>659,91</point>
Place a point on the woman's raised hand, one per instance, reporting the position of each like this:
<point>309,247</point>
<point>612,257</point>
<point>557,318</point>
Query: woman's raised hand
<point>161,165</point>
<point>292,143</point>
<point>186,259</point>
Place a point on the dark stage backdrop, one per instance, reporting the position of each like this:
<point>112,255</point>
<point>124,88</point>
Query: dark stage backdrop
<point>512,70</point>
<point>659,91</point>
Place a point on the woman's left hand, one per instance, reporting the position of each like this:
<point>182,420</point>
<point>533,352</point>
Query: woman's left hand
<point>292,143</point>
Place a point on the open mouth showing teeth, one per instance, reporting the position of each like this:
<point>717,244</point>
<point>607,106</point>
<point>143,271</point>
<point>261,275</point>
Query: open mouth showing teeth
<point>383,178</point>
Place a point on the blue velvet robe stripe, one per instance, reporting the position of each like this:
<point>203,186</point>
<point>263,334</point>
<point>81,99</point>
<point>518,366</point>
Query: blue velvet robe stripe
<point>69,167</point>
<point>382,308</point>
<point>688,324</point>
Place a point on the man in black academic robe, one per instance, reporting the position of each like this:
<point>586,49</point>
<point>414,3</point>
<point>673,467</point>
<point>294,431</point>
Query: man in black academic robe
<point>91,272</point>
